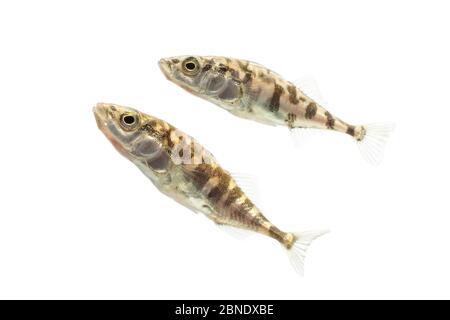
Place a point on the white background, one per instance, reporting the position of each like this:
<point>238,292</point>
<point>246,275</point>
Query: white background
<point>79,221</point>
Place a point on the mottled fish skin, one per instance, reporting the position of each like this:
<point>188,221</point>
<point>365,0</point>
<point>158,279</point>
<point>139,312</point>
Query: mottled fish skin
<point>183,170</point>
<point>252,91</point>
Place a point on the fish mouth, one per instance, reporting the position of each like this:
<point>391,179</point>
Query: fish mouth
<point>166,67</point>
<point>101,115</point>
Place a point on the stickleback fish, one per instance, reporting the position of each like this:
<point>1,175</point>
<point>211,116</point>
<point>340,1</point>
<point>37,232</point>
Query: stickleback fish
<point>251,91</point>
<point>186,172</point>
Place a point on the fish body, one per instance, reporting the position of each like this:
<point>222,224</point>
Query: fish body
<point>251,91</point>
<point>186,172</point>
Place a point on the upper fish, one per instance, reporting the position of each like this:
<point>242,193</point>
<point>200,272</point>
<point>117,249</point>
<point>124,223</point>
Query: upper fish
<point>252,91</point>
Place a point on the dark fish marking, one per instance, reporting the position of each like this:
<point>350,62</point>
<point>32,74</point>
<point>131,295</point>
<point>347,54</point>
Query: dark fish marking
<point>330,120</point>
<point>351,130</point>
<point>276,233</point>
<point>206,67</point>
<point>292,90</point>
<point>244,66</point>
<point>290,120</point>
<point>200,175</point>
<point>274,104</point>
<point>209,61</point>
<point>247,205</point>
<point>234,73</point>
<point>193,155</point>
<point>223,68</point>
<point>311,110</point>
<point>233,195</point>
<point>218,191</point>
<point>180,153</point>
<point>113,108</point>
<point>264,77</point>
<point>147,127</point>
<point>247,78</point>
<point>175,60</point>
<point>215,194</point>
<point>151,129</point>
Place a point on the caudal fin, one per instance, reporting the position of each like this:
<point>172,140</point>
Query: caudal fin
<point>298,250</point>
<point>374,141</point>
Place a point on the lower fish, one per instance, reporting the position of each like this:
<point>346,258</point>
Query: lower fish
<point>251,91</point>
<point>185,171</point>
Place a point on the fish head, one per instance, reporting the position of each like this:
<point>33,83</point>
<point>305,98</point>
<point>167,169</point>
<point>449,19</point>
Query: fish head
<point>208,77</point>
<point>129,132</point>
<point>185,71</point>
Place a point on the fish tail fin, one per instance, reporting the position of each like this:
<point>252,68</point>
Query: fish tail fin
<point>297,251</point>
<point>372,140</point>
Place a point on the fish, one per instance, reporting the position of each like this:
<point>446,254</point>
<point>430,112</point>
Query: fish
<point>182,169</point>
<point>251,91</point>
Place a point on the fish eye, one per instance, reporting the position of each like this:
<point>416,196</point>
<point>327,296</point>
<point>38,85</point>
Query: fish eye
<point>128,121</point>
<point>191,66</point>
